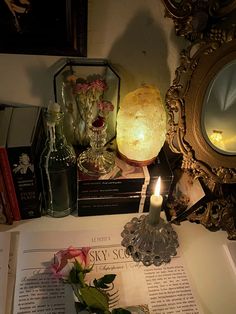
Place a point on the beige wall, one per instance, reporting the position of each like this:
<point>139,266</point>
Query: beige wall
<point>132,34</point>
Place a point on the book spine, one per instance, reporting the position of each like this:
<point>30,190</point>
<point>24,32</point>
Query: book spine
<point>7,175</point>
<point>110,187</point>
<point>5,200</point>
<point>119,188</point>
<point>112,205</point>
<point>23,172</point>
<point>165,185</point>
<point>3,218</point>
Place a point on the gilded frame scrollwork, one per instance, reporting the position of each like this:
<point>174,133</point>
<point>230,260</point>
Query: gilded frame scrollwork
<point>192,19</point>
<point>211,48</point>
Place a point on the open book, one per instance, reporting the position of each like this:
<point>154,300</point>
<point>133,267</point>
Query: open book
<point>4,256</point>
<point>230,250</point>
<point>141,289</point>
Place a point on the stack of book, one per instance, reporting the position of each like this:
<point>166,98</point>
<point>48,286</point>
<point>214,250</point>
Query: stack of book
<point>126,189</point>
<point>21,140</point>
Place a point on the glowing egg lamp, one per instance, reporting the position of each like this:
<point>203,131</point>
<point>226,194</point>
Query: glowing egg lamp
<point>217,139</point>
<point>141,126</point>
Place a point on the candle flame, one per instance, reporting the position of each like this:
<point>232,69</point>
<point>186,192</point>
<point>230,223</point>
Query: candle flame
<point>158,187</point>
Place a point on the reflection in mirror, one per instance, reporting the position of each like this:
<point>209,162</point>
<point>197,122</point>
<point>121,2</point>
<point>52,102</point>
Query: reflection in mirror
<point>219,111</point>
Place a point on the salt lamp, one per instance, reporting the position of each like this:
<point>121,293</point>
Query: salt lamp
<point>141,126</point>
<point>217,139</point>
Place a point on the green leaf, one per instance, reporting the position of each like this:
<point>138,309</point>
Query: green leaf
<point>100,284</point>
<point>94,298</point>
<point>81,278</point>
<point>108,278</point>
<point>104,281</point>
<point>79,306</point>
<point>78,267</point>
<point>88,270</point>
<point>73,276</point>
<point>95,283</point>
<point>120,311</point>
<point>76,277</point>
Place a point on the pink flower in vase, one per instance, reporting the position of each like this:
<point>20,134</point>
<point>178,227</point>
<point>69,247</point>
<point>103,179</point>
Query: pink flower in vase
<point>96,90</point>
<point>81,88</point>
<point>98,86</point>
<point>71,79</point>
<point>105,107</point>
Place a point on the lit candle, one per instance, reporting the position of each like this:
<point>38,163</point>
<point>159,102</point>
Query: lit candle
<point>155,204</point>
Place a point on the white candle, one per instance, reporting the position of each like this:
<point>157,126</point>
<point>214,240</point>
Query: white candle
<point>155,205</point>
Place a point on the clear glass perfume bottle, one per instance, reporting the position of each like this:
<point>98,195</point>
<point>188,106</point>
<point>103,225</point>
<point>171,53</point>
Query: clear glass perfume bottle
<point>58,167</point>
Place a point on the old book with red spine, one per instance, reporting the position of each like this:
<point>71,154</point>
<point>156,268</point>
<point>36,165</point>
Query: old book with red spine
<point>5,120</point>
<point>7,175</point>
<point>5,200</point>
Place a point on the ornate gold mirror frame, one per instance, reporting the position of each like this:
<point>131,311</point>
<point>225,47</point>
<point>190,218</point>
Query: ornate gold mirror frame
<point>210,26</point>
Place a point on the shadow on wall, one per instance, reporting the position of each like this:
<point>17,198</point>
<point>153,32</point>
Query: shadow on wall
<point>41,78</point>
<point>27,80</point>
<point>140,55</point>
<point>178,43</point>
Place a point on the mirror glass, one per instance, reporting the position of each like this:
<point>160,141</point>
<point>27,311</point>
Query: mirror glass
<point>219,111</point>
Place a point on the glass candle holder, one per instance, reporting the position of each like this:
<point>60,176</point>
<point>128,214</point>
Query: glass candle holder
<point>149,243</point>
<point>96,160</point>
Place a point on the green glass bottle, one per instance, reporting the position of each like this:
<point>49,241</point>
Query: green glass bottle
<point>58,167</point>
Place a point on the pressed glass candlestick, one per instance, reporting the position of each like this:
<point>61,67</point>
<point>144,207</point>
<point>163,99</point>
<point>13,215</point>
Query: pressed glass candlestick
<point>149,243</point>
<point>96,160</point>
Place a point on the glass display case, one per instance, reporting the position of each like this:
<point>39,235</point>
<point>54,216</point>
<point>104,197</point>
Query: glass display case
<point>82,87</point>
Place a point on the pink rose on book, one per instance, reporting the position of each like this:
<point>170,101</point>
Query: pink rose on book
<point>65,260</point>
<point>71,267</point>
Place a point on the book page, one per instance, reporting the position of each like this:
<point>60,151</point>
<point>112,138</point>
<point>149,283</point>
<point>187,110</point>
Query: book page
<point>230,250</point>
<point>164,289</point>
<point>11,271</point>
<point>4,259</point>
<point>22,136</point>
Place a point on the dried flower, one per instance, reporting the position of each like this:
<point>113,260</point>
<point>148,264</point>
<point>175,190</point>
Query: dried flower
<point>71,78</point>
<point>105,106</point>
<point>88,93</point>
<point>81,88</point>
<point>92,89</point>
<point>98,86</point>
